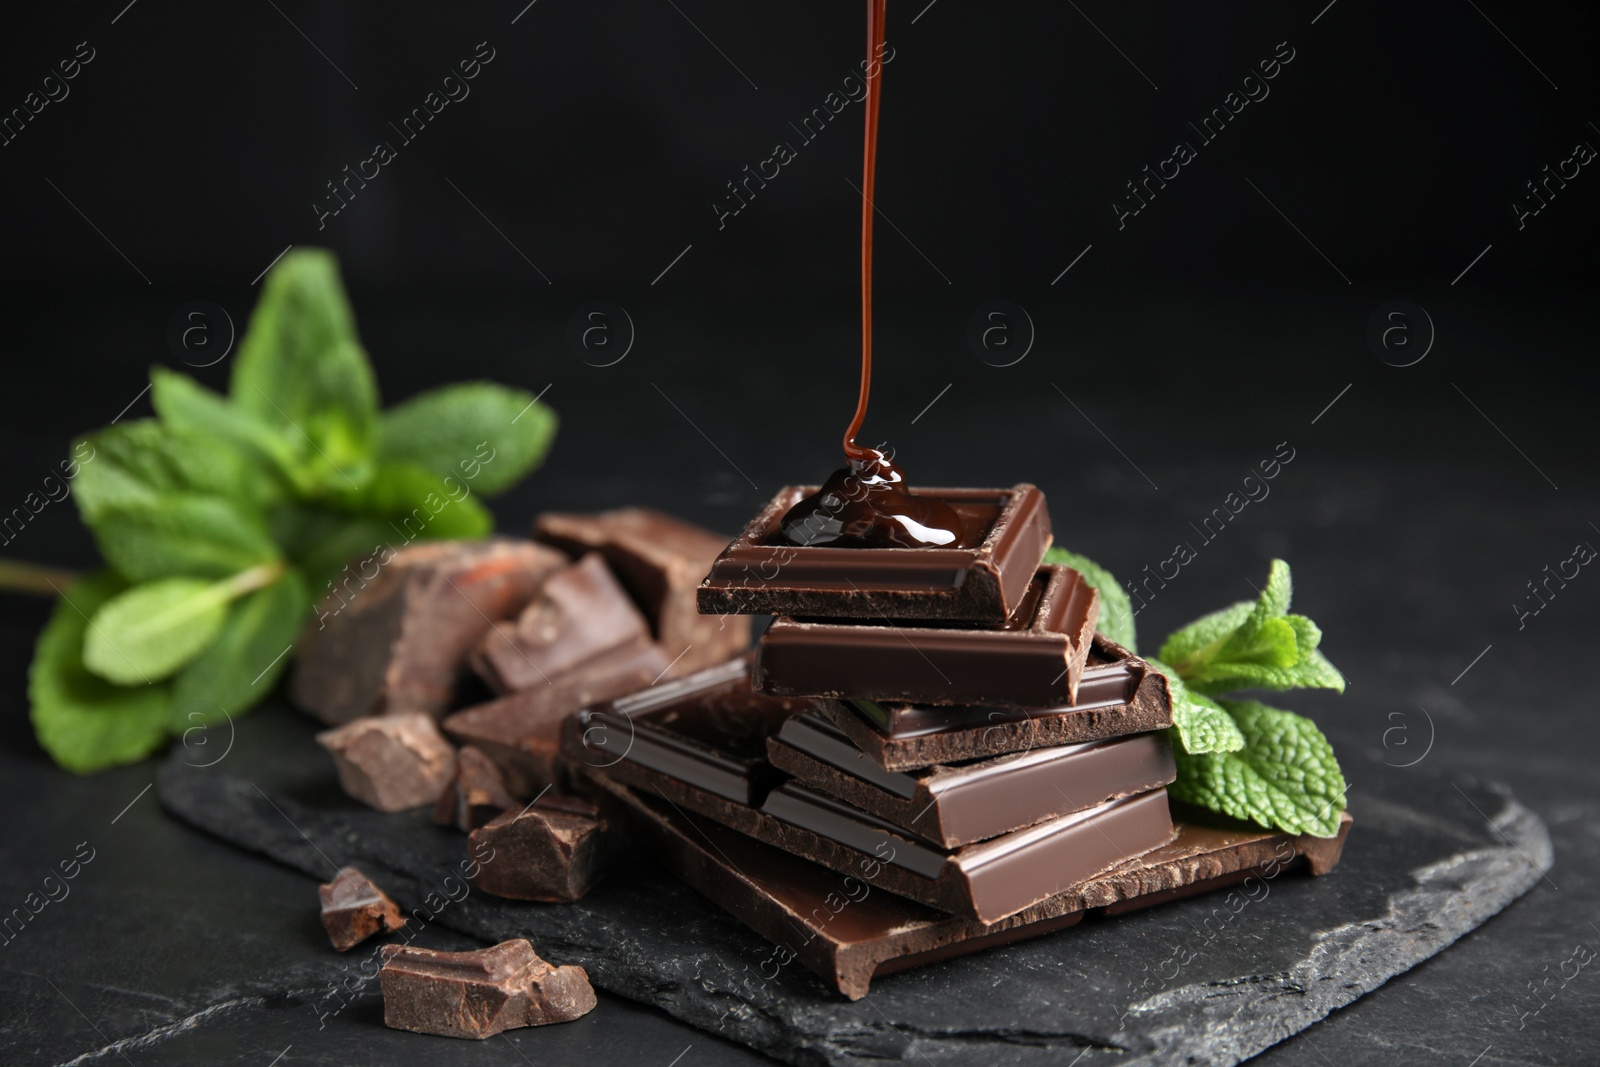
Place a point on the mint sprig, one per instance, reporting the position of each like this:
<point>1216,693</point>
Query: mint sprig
<point>1284,775</point>
<point>1240,757</point>
<point>1253,646</point>
<point>225,517</point>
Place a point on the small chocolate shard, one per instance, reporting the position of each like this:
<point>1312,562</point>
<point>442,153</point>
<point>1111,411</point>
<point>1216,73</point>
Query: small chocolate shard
<point>478,994</point>
<point>552,850</point>
<point>477,795</point>
<point>394,633</point>
<point>392,762</point>
<point>521,732</point>
<point>661,560</point>
<point>354,908</point>
<point>580,613</point>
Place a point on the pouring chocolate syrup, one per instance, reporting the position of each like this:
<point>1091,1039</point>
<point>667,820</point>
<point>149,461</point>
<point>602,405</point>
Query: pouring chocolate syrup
<point>866,504</point>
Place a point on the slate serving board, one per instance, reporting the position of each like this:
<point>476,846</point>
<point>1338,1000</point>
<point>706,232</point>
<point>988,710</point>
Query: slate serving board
<point>1204,981</point>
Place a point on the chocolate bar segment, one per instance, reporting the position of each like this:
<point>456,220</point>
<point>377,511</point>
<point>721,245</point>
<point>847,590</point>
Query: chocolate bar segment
<point>958,805</point>
<point>521,732</point>
<point>394,635</point>
<point>660,561</point>
<point>847,932</point>
<point>981,578</point>
<point>708,731</point>
<point>1034,659</point>
<point>986,881</point>
<point>581,612</point>
<point>1119,694</point>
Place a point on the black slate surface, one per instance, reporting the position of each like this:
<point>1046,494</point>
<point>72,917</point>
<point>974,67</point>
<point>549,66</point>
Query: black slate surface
<point>1204,981</point>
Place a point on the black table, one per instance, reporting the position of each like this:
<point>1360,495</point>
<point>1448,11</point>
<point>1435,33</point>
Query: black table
<point>1411,524</point>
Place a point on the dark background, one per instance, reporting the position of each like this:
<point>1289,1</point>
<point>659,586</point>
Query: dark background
<point>1172,357</point>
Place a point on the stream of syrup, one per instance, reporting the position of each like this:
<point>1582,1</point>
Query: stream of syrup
<point>866,504</point>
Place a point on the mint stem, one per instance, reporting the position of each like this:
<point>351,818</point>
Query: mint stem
<point>34,579</point>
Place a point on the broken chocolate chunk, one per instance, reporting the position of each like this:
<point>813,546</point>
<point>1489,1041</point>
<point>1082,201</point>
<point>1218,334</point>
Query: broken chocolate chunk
<point>581,612</point>
<point>392,762</point>
<point>393,633</point>
<point>477,795</point>
<point>478,994</point>
<point>521,732</point>
<point>551,850</point>
<point>353,909</point>
<point>661,560</point>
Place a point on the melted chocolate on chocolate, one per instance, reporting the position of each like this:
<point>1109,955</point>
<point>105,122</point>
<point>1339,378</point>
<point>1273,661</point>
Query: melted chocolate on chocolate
<point>867,504</point>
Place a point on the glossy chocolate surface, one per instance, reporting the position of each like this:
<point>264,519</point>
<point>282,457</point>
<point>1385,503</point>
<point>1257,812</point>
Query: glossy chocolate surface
<point>1035,659</point>
<point>958,805</point>
<point>981,577</point>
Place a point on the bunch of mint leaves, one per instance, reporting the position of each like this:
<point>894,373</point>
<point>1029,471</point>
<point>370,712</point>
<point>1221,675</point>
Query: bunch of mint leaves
<point>224,518</point>
<point>1240,757</point>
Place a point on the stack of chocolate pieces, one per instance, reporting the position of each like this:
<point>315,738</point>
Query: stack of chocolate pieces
<point>930,751</point>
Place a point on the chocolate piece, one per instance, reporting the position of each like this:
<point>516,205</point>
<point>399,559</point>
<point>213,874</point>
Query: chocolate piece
<point>353,909</point>
<point>970,802</point>
<point>1119,694</point>
<point>981,578</point>
<point>1034,659</point>
<point>660,561</point>
<point>847,933</point>
<point>986,881</point>
<point>394,635</point>
<point>478,994</point>
<point>477,795</point>
<point>708,730</point>
<point>580,612</point>
<point>392,762</point>
<point>551,850</point>
<point>521,732</point>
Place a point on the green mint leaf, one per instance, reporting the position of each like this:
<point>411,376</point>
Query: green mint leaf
<point>301,370</point>
<point>1207,632</point>
<point>1253,645</point>
<point>147,633</point>
<point>418,504</point>
<point>181,534</point>
<point>190,409</point>
<point>321,541</point>
<point>141,462</point>
<point>244,662</point>
<point>83,721</point>
<point>1200,722</point>
<point>1312,672</point>
<point>1285,777</point>
<point>1116,610</point>
<point>484,435</point>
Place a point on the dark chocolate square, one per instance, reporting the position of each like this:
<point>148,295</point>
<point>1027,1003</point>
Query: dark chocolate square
<point>982,578</point>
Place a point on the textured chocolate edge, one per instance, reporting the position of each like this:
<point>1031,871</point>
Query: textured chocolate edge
<point>981,584</point>
<point>1150,709</point>
<point>925,936</point>
<point>923,813</point>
